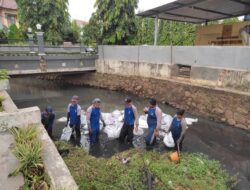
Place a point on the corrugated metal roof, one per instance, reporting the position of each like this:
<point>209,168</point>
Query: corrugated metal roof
<point>199,11</point>
<point>8,4</point>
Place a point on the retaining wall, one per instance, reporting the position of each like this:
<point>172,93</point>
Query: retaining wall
<point>220,67</point>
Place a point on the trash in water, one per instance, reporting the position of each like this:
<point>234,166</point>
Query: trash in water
<point>190,121</point>
<point>114,123</point>
<point>62,119</point>
<point>139,132</point>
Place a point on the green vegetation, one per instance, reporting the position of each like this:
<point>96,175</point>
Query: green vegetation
<point>195,171</point>
<point>52,15</point>
<point>28,149</point>
<point>117,26</point>
<point>1,105</point>
<point>4,74</point>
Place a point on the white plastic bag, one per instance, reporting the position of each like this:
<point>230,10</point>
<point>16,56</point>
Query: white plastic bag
<point>113,131</point>
<point>108,119</point>
<point>168,140</point>
<point>139,132</point>
<point>83,119</point>
<point>166,122</point>
<point>143,122</point>
<point>116,114</point>
<point>190,121</point>
<point>85,143</point>
<point>62,119</point>
<point>66,133</point>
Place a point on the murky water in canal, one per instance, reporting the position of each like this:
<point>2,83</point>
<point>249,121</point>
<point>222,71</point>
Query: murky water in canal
<point>222,142</point>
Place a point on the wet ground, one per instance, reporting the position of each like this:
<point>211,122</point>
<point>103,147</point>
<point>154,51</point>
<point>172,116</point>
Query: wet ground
<point>231,146</point>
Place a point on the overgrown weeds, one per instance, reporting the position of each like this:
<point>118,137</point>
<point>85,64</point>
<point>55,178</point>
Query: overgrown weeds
<point>195,171</point>
<point>27,150</point>
<point>4,74</point>
<point>1,105</point>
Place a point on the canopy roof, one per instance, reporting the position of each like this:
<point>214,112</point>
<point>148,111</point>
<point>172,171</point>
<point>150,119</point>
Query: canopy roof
<point>199,11</point>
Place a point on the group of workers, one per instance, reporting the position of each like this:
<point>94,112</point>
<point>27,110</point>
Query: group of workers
<point>131,121</point>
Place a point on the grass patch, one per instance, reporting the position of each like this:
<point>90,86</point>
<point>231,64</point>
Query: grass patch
<point>195,171</point>
<point>28,149</point>
<point>4,74</point>
<point>1,105</point>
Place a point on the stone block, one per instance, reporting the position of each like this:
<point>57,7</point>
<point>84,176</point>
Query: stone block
<point>229,114</point>
<point>239,118</point>
<point>218,110</point>
<point>231,121</point>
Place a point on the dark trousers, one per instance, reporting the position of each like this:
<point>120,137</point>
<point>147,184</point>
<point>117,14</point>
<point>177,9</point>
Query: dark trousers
<point>78,133</point>
<point>94,135</point>
<point>49,130</point>
<point>127,131</point>
<point>175,142</point>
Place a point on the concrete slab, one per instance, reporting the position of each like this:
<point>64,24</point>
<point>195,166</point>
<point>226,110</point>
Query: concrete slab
<point>55,166</point>
<point>8,164</point>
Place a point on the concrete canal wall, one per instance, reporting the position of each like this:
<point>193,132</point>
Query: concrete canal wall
<point>219,67</point>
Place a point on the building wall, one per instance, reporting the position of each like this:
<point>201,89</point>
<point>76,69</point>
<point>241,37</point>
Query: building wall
<point>212,34</point>
<point>3,16</point>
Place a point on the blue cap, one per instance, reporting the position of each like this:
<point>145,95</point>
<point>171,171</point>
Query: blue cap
<point>49,109</point>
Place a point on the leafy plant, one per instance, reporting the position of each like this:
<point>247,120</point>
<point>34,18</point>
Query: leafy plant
<point>52,15</point>
<point>1,105</point>
<point>27,150</point>
<point>15,35</point>
<point>4,74</point>
<point>118,25</point>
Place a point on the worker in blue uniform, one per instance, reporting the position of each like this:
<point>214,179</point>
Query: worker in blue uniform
<point>74,117</point>
<point>130,120</point>
<point>153,120</point>
<point>47,119</point>
<point>178,129</point>
<point>93,120</point>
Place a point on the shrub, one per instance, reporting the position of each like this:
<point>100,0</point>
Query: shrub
<point>27,150</point>
<point>4,74</point>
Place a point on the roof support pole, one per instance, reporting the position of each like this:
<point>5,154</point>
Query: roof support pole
<point>156,30</point>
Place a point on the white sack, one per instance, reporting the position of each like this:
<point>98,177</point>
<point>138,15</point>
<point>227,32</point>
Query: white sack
<point>168,140</point>
<point>66,134</point>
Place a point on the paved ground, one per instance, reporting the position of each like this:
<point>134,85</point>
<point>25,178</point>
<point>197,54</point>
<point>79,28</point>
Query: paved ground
<point>8,163</point>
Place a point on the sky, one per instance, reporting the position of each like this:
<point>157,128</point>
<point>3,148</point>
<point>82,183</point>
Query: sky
<point>82,9</point>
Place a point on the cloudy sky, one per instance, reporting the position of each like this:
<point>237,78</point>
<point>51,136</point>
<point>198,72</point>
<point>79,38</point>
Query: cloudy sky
<point>82,9</point>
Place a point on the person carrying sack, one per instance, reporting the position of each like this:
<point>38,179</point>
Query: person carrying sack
<point>130,120</point>
<point>74,117</point>
<point>178,129</point>
<point>153,121</point>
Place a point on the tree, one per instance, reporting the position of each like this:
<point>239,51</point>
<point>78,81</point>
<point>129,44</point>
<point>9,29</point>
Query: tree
<point>117,20</point>
<point>175,33</point>
<point>144,31</point>
<point>92,32</point>
<point>72,33</point>
<point>52,15</point>
<point>15,35</point>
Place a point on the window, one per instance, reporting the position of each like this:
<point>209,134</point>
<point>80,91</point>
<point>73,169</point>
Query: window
<point>11,19</point>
